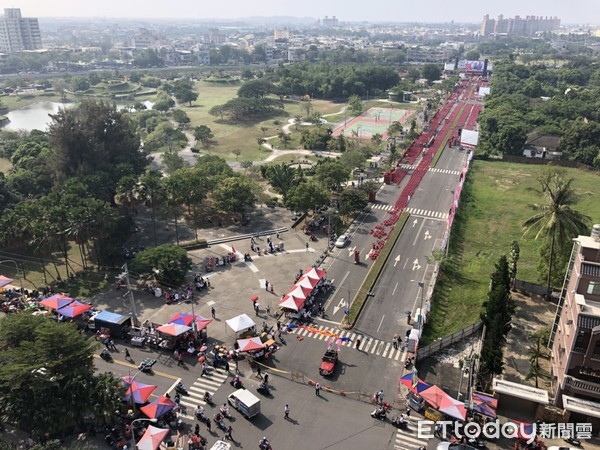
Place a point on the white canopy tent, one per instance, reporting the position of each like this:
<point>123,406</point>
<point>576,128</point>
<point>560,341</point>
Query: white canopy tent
<point>240,323</point>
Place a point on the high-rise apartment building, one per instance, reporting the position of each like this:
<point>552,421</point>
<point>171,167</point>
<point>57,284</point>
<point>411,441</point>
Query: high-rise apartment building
<point>18,33</point>
<point>518,26</point>
<point>575,338</point>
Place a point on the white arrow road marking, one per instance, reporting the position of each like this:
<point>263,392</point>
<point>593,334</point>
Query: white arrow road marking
<point>351,250</point>
<point>339,306</point>
<point>415,222</point>
<point>427,235</point>
<point>396,260</point>
<point>416,265</point>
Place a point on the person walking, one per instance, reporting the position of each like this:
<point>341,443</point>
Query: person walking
<point>237,368</point>
<point>318,390</point>
<point>228,433</point>
<point>266,379</point>
<point>395,341</point>
<point>209,425</point>
<point>307,246</point>
<point>180,359</point>
<point>127,354</point>
<point>204,369</point>
<point>213,312</point>
<point>266,285</point>
<point>286,411</point>
<point>358,341</point>
<point>256,309</point>
<point>258,372</point>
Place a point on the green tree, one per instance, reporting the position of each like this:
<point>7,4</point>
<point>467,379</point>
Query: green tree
<point>203,134</point>
<point>282,177</point>
<point>496,317</point>
<point>169,264</point>
<point>181,118</point>
<point>513,260</point>
<point>555,220</point>
<point>306,196</point>
<point>355,103</point>
<point>297,121</point>
<point>47,374</point>
<point>538,352</point>
<point>173,161</point>
<point>218,111</point>
<point>256,89</point>
<point>150,191</point>
<point>284,138</point>
<point>184,91</point>
<point>234,194</point>
<point>352,201</point>
<point>376,139</point>
<point>332,173</point>
<point>431,72</point>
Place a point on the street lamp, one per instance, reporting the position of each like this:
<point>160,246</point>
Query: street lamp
<point>141,419</point>
<point>16,271</point>
<point>422,287</point>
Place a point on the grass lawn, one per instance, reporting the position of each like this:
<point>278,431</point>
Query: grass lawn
<point>495,202</point>
<point>243,136</point>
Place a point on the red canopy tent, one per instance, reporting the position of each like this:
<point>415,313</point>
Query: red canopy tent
<point>5,280</point>
<point>434,396</point>
<point>306,282</point>
<point>248,345</point>
<point>173,329</point>
<point>74,309</point>
<point>202,323</point>
<point>453,408</point>
<point>300,291</point>
<point>182,319</point>
<point>291,302</point>
<point>158,407</point>
<point>314,273</point>
<point>57,301</point>
<point>152,438</point>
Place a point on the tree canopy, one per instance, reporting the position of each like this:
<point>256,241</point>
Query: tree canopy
<point>169,264</point>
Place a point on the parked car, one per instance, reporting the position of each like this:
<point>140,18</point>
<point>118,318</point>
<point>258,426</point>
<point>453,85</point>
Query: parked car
<point>342,241</point>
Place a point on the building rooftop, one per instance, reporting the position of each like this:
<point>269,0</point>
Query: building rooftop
<point>588,242</point>
<point>578,405</point>
<point>520,391</point>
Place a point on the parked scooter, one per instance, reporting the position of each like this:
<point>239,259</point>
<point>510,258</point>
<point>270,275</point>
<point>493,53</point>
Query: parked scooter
<point>180,389</point>
<point>263,389</point>
<point>225,411</point>
<point>237,383</point>
<point>380,412</point>
<point>106,356</point>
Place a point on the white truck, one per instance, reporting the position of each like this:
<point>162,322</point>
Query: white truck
<point>221,445</point>
<point>245,402</point>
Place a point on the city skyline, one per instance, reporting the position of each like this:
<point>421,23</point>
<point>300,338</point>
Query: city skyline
<point>468,11</point>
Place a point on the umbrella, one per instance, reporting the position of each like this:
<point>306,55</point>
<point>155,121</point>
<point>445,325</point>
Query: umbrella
<point>57,301</point>
<point>434,396</point>
<point>202,323</point>
<point>158,407</point>
<point>408,380</point>
<point>254,298</point>
<point>152,438</point>
<point>248,345</point>
<point>173,329</point>
<point>140,391</point>
<point>74,309</point>
<point>484,404</point>
<point>5,280</point>
<point>182,319</point>
<point>453,408</point>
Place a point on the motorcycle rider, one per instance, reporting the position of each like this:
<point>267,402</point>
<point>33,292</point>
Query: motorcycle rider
<point>199,411</point>
<point>207,398</point>
<point>264,443</point>
<point>225,410</point>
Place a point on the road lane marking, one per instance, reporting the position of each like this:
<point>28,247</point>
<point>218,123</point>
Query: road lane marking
<point>379,327</point>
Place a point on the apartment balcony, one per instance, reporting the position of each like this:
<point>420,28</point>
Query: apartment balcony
<point>582,387</point>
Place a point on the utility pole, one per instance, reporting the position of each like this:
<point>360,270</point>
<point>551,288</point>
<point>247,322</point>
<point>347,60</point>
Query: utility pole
<point>130,293</point>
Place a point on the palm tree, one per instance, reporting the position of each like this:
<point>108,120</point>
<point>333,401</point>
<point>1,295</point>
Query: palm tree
<point>537,351</point>
<point>282,178</point>
<point>555,220</point>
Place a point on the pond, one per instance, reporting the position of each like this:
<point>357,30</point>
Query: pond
<point>35,116</point>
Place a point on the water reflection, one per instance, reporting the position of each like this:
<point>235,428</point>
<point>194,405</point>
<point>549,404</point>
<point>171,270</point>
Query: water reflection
<point>35,116</point>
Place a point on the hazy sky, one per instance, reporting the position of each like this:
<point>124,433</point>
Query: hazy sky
<point>569,11</point>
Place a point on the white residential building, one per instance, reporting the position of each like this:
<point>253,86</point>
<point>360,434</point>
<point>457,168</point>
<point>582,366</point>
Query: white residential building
<point>18,33</point>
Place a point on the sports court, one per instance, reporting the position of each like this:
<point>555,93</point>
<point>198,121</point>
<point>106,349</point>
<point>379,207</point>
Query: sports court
<point>373,121</point>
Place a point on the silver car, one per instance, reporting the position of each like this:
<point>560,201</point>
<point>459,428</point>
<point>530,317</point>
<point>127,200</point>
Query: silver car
<point>342,241</point>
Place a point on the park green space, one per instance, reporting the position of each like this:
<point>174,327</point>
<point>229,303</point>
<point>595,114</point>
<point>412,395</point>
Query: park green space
<point>243,136</point>
<point>495,202</point>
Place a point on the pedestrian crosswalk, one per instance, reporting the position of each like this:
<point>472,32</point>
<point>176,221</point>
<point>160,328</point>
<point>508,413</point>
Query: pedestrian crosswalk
<point>211,383</point>
<point>367,344</point>
<point>427,213</point>
<point>431,169</point>
<point>408,440</point>
<point>413,211</point>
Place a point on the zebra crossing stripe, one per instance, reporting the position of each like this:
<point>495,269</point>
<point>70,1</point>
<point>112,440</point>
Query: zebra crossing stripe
<point>405,440</point>
<point>385,350</point>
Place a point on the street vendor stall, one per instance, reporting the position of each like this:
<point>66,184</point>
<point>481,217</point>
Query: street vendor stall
<point>241,323</point>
